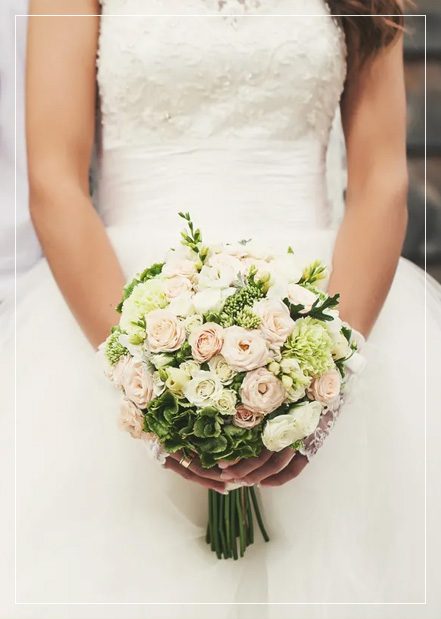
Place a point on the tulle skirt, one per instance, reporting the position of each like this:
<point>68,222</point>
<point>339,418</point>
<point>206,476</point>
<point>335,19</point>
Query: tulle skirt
<point>98,525</point>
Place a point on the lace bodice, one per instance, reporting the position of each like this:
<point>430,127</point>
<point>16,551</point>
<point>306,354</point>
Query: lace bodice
<point>217,106</point>
<point>218,68</point>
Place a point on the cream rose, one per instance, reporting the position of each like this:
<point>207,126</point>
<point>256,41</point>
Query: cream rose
<point>245,418</point>
<point>179,266</point>
<point>206,341</point>
<point>137,382</point>
<point>261,391</point>
<point>219,366</point>
<point>276,322</point>
<point>325,388</point>
<point>298,295</point>
<point>131,419</point>
<point>117,371</point>
<point>244,350</point>
<point>176,286</point>
<point>190,367</point>
<point>203,389</point>
<point>285,430</point>
<point>165,332</point>
<point>226,402</point>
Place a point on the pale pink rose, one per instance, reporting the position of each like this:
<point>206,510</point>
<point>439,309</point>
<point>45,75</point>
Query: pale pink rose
<point>276,323</point>
<point>326,388</point>
<point>245,418</point>
<point>206,341</point>
<point>137,382</point>
<point>181,267</point>
<point>298,295</point>
<point>165,332</point>
<point>117,372</point>
<point>176,286</point>
<point>131,419</point>
<point>262,392</point>
<point>244,349</point>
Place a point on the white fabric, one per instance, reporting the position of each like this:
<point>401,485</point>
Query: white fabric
<point>98,521</point>
<point>13,152</point>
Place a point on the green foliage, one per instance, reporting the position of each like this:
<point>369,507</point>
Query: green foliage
<point>192,237</point>
<point>315,272</point>
<point>208,423</point>
<point>149,273</point>
<point>317,310</point>
<point>203,432</point>
<point>113,349</point>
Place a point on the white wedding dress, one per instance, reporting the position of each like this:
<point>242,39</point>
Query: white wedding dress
<point>224,109</point>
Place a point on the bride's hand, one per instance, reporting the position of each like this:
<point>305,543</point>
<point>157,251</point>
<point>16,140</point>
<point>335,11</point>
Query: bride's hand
<point>269,469</point>
<point>209,478</point>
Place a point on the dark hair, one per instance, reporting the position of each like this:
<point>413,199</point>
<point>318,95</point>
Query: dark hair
<point>365,36</point>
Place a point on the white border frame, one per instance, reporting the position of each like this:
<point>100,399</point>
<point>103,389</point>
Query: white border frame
<point>223,15</point>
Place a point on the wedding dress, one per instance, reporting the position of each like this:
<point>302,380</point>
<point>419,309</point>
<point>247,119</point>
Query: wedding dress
<point>222,108</point>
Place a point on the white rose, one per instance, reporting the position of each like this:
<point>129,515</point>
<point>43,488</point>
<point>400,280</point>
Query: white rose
<point>276,322</point>
<point>136,382</point>
<point>160,360</point>
<point>226,402</point>
<point>203,389</point>
<point>261,391</point>
<point>165,332</point>
<point>177,378</point>
<point>176,286</point>
<point>299,295</point>
<point>244,349</point>
<point>206,341</point>
<point>190,367</point>
<point>219,276</point>
<point>341,348</point>
<point>325,388</point>
<point>225,261</point>
<point>284,430</point>
<point>219,366</point>
<point>208,300</point>
<point>131,419</point>
<point>177,265</point>
<point>193,321</point>
<point>182,305</point>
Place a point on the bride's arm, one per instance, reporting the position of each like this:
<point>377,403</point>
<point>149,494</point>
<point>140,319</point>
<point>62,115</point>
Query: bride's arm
<point>60,118</point>
<point>370,238</point>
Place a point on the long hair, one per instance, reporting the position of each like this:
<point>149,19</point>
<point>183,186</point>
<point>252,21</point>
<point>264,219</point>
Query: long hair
<point>365,36</point>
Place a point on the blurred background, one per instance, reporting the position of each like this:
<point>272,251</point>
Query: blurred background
<point>414,248</point>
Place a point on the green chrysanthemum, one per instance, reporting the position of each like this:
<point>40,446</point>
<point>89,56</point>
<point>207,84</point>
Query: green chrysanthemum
<point>311,344</point>
<point>145,297</point>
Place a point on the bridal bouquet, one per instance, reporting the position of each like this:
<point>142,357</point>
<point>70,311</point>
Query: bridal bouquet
<point>222,351</point>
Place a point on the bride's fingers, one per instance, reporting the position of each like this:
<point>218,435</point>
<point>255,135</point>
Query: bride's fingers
<point>291,471</point>
<point>245,467</point>
<point>275,464</point>
<point>196,468</point>
<point>172,465</point>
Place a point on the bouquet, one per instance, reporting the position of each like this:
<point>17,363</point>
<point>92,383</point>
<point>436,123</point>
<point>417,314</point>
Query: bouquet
<point>222,351</point>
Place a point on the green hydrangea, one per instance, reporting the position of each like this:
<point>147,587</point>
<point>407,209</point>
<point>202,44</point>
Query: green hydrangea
<point>145,297</point>
<point>311,344</point>
<point>114,350</point>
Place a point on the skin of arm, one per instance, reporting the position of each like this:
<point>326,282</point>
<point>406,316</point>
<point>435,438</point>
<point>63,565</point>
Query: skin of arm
<point>371,235</point>
<point>60,124</point>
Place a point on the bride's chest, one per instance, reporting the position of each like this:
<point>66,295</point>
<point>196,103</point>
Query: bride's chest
<point>205,66</point>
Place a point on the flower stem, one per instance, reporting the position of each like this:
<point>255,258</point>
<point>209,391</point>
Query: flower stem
<point>258,514</point>
<point>233,524</point>
<point>242,541</point>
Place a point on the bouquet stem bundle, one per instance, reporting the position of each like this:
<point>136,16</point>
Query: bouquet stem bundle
<point>231,522</point>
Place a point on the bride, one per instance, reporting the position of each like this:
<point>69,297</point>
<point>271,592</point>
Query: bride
<point>223,108</point>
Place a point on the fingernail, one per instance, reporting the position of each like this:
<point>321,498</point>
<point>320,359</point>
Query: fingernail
<point>223,465</point>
